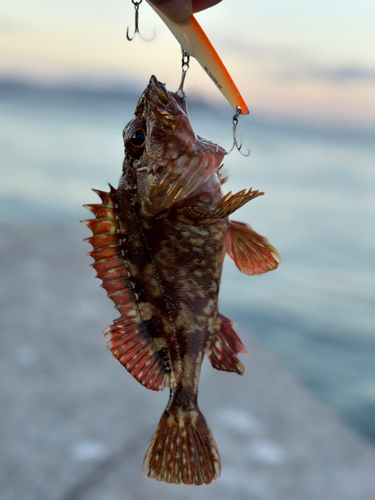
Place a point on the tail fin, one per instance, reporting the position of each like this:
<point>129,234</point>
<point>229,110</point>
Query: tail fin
<point>182,450</point>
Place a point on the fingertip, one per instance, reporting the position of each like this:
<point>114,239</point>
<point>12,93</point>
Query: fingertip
<point>199,5</point>
<point>178,11</point>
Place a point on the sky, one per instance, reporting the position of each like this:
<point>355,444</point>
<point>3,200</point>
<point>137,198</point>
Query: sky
<point>299,60</point>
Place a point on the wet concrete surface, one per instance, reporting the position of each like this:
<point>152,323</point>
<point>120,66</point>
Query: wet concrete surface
<point>74,425</point>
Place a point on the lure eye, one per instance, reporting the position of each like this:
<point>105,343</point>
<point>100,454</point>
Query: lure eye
<point>138,138</point>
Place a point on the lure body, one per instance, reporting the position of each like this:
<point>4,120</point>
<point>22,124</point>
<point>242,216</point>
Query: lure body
<point>159,244</point>
<point>195,43</point>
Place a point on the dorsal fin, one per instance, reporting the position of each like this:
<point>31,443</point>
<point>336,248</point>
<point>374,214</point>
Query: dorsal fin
<point>127,338</point>
<point>251,252</point>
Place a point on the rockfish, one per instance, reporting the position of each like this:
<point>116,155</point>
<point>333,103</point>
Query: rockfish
<point>159,244</point>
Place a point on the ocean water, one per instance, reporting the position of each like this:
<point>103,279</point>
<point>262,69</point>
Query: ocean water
<point>316,312</point>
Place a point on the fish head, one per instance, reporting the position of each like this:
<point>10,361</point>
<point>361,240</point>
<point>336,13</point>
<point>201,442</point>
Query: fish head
<point>160,130</point>
<point>165,161</point>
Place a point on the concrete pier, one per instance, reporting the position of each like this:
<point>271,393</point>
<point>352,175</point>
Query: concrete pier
<point>74,425</point>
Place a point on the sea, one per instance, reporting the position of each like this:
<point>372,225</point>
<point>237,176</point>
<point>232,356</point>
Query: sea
<point>316,312</point>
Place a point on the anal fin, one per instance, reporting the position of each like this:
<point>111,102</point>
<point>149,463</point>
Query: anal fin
<point>224,347</point>
<point>251,252</point>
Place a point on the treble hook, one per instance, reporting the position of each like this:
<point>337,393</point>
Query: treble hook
<point>185,66</point>
<point>136,8</point>
<point>235,143</point>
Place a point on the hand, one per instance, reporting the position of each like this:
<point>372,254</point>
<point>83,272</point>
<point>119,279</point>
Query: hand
<point>179,11</point>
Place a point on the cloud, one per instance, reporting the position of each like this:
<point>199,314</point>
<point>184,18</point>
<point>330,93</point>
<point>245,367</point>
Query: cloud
<point>338,74</point>
<point>266,53</point>
<point>348,74</point>
<point>294,63</point>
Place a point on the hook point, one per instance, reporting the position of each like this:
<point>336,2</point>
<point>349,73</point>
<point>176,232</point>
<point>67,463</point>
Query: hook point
<point>127,35</point>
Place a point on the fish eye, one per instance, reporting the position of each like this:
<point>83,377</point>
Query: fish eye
<point>138,138</point>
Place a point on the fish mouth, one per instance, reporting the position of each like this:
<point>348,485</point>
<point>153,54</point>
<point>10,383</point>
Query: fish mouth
<point>159,89</point>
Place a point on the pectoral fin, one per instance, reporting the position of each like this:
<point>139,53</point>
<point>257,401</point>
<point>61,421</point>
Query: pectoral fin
<point>251,252</point>
<point>178,177</point>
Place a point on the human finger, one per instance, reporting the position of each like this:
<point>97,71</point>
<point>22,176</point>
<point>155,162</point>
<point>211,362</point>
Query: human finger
<point>177,11</point>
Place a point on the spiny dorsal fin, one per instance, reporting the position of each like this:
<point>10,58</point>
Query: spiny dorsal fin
<point>128,338</point>
<point>251,252</point>
<point>223,347</point>
<point>227,205</point>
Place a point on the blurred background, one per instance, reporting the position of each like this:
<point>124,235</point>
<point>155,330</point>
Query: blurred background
<point>69,82</point>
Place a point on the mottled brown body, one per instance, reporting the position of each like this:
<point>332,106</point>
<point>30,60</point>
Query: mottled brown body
<point>159,245</point>
<point>176,272</point>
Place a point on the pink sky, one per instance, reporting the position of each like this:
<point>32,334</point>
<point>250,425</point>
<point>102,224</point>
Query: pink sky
<point>288,59</point>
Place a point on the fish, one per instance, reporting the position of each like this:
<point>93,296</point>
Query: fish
<point>159,242</point>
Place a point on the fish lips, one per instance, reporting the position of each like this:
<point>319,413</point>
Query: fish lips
<point>167,106</point>
<point>158,88</point>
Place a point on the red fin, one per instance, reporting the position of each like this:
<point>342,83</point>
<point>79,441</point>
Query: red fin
<point>131,344</point>
<point>182,450</point>
<point>179,175</point>
<point>224,347</point>
<point>251,252</point>
<point>227,205</point>
<point>127,338</point>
